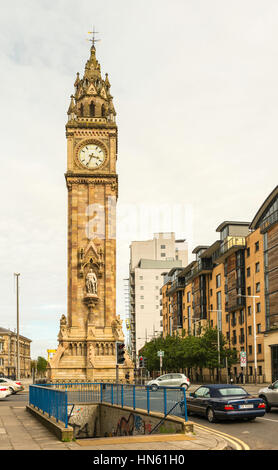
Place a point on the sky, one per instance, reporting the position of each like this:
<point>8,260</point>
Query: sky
<point>195,91</point>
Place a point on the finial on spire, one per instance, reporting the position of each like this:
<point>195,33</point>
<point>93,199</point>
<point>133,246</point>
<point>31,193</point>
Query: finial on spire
<point>93,40</point>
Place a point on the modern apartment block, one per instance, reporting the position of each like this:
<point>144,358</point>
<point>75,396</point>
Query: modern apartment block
<point>148,260</point>
<point>8,354</point>
<point>233,285</point>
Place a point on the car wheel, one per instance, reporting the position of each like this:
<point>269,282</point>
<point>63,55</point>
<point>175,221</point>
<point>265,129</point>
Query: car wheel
<point>210,415</point>
<point>267,405</point>
<point>184,386</point>
<point>154,388</point>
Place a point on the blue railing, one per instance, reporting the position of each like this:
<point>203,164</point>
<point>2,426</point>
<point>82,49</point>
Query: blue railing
<point>55,398</point>
<point>50,401</point>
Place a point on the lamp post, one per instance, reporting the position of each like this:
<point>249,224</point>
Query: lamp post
<point>218,339</point>
<point>254,328</point>
<point>17,328</point>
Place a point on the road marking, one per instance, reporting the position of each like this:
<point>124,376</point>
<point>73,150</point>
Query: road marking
<point>238,443</point>
<point>267,419</point>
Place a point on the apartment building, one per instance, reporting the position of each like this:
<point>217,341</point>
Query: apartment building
<point>233,285</point>
<point>148,261</point>
<point>8,354</point>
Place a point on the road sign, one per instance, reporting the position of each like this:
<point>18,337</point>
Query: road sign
<point>242,358</point>
<point>160,353</point>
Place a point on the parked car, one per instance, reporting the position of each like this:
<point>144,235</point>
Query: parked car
<point>14,386</point>
<point>169,380</point>
<point>270,395</point>
<point>223,401</point>
<point>4,391</point>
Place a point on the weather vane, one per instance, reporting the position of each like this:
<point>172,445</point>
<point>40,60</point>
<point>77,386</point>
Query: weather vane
<point>93,40</point>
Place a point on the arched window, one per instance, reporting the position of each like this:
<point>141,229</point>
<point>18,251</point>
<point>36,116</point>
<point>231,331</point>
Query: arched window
<point>92,109</point>
<point>81,110</point>
<point>102,111</point>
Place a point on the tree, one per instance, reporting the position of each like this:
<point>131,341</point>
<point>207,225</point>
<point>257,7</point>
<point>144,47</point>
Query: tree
<point>41,365</point>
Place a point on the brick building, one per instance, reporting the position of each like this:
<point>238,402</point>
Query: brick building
<point>233,285</point>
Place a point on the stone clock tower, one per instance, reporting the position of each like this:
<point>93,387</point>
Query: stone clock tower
<point>87,337</point>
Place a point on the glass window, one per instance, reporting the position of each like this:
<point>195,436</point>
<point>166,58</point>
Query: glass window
<point>229,392</point>
<point>202,391</point>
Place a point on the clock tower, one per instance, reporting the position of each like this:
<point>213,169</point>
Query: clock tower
<point>88,335</point>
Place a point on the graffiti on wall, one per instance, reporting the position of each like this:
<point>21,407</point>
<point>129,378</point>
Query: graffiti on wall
<point>134,425</point>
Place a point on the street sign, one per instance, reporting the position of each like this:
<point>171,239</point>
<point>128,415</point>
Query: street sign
<point>242,358</point>
<point>160,353</point>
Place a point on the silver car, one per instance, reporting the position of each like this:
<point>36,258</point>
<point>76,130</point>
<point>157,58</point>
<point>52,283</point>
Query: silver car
<point>270,395</point>
<point>169,380</point>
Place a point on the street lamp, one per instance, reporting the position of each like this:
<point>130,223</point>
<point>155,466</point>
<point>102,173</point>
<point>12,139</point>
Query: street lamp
<point>17,322</point>
<point>254,327</point>
<point>218,338</point>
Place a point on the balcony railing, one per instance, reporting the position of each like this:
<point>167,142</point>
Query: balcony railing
<point>268,221</point>
<point>228,246</point>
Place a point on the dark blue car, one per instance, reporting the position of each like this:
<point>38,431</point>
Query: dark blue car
<point>224,401</point>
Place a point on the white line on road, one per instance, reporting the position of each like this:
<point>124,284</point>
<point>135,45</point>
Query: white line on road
<point>267,419</point>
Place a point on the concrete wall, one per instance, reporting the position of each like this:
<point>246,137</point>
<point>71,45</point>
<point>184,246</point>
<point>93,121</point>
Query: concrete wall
<point>104,420</point>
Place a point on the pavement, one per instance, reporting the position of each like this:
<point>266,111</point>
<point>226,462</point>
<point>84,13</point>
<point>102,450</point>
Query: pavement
<point>19,430</point>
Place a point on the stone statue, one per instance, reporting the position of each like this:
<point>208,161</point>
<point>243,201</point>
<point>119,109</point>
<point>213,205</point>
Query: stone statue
<point>91,282</point>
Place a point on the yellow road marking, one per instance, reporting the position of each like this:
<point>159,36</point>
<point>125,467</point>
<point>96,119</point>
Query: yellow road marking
<point>238,443</point>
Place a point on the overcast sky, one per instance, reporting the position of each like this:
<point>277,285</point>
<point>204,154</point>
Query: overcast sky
<point>195,90</point>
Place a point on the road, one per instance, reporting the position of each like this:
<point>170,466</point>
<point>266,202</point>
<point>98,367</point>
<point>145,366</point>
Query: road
<point>261,434</point>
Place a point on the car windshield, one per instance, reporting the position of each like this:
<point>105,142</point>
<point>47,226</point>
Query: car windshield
<point>228,392</point>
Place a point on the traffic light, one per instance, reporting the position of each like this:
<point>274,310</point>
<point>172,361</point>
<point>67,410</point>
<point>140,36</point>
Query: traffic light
<point>141,362</point>
<point>145,362</point>
<point>120,352</point>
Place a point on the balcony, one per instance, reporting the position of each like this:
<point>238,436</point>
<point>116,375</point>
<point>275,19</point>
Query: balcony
<point>178,284</point>
<point>203,266</point>
<point>229,246</point>
<point>269,221</point>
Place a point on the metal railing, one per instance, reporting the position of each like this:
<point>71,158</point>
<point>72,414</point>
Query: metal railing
<point>50,401</point>
<point>55,398</point>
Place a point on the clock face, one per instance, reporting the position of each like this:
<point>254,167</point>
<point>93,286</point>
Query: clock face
<point>91,156</point>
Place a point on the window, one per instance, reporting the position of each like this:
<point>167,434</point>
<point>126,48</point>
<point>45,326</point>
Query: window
<point>156,277</point>
<point>248,272</point>
<point>258,287</point>
<point>163,255</point>
<point>257,246</point>
<point>141,278</point>
<point>188,296</point>
<point>218,280</point>
<point>210,292</point>
<point>141,297</point>
<point>141,306</point>
<point>259,328</point>
<point>259,348</point>
<point>248,252</point>
<point>258,307</point>
<point>81,110</point>
<point>92,109</point>
<point>250,330</point>
<point>249,290</point>
<point>141,287</point>
<point>103,111</point>
<point>162,247</point>
<point>257,267</point>
<point>250,349</point>
<point>249,310</point>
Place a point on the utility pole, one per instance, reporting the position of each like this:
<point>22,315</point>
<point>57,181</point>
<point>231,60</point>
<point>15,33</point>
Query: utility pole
<point>17,328</point>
